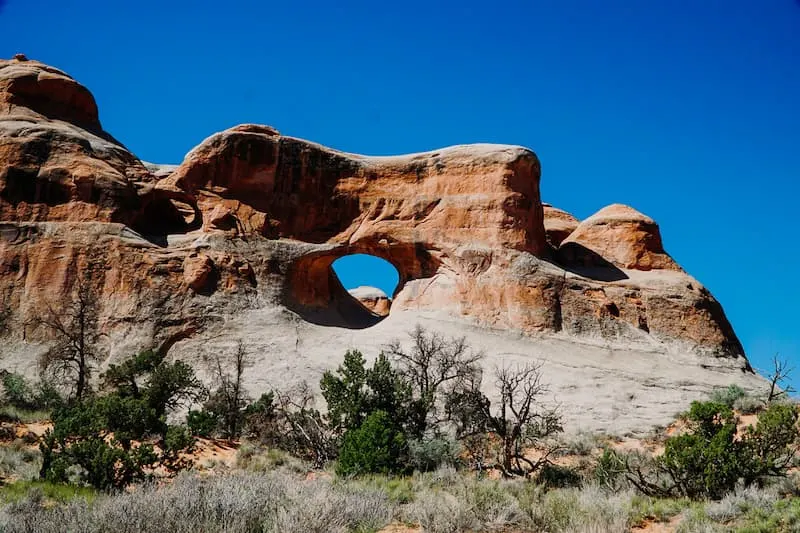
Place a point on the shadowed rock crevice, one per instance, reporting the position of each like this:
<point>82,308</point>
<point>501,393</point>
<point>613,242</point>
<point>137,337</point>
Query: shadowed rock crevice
<point>585,262</point>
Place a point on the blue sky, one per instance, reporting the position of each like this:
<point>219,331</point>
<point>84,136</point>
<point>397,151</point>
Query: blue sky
<point>687,110</point>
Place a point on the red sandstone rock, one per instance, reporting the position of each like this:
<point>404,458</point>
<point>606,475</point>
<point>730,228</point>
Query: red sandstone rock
<point>619,235</point>
<point>373,299</point>
<point>558,224</point>
<point>198,271</point>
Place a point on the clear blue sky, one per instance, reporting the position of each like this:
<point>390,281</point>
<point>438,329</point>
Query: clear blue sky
<point>688,110</point>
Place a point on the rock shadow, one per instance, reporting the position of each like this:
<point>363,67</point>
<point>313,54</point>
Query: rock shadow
<point>587,263</point>
<point>343,310</point>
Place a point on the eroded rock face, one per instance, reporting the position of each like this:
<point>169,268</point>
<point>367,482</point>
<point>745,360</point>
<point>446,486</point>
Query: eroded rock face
<point>619,235</point>
<point>558,224</point>
<point>239,240</point>
<point>57,163</point>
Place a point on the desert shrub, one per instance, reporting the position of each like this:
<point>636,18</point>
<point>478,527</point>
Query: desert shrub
<point>581,443</point>
<point>202,423</point>
<point>610,470</point>
<point>432,452</point>
<point>260,418</point>
<point>102,465</point>
<point>645,508</point>
<point>324,507</point>
<point>439,512</point>
<point>47,396</point>
<point>19,394</point>
<point>493,506</point>
<point>399,489</point>
<point>557,476</point>
<point>254,458</point>
<point>374,447</point>
<point>16,391</point>
<point>728,395</point>
<point>18,462</point>
<point>239,503</point>
<point>82,432</point>
<point>712,456</point>
<point>741,501</point>
<point>748,405</point>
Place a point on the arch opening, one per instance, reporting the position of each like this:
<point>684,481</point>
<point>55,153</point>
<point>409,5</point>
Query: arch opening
<point>360,298</point>
<point>167,215</point>
<point>369,280</point>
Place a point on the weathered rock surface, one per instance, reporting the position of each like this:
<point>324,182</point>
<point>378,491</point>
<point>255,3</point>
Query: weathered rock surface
<point>558,224</point>
<point>619,235</point>
<point>238,241</point>
<point>372,298</point>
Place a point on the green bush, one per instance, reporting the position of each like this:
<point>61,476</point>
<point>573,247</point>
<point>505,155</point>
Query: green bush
<point>202,423</point>
<point>374,447</point>
<point>429,453</point>
<point>102,465</point>
<point>728,395</point>
<point>16,391</point>
<point>97,435</point>
<point>557,476</point>
<point>747,405</point>
<point>610,470</point>
<point>712,456</point>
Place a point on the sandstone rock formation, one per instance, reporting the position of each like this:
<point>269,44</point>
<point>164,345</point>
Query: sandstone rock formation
<point>373,299</point>
<point>558,224</point>
<point>619,235</point>
<point>238,242</point>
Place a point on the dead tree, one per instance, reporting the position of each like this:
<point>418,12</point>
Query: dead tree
<point>515,424</point>
<point>302,428</point>
<point>73,357</point>
<point>519,421</point>
<point>230,399</point>
<point>778,380</point>
<point>434,366</point>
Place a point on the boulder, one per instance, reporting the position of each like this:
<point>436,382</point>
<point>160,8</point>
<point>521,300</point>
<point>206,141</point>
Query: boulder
<point>619,235</point>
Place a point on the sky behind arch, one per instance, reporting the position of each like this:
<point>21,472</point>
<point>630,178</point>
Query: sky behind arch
<point>688,111</point>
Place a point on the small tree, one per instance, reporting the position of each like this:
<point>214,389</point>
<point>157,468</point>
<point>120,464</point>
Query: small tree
<point>100,433</point>
<point>374,447</point>
<point>159,386</point>
<point>353,392</point>
<point>778,380</point>
<point>518,421</point>
<point>433,367</point>
<point>76,351</point>
<point>346,392</point>
<point>713,455</point>
<point>229,401</point>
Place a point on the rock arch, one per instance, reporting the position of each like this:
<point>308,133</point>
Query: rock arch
<point>313,290</point>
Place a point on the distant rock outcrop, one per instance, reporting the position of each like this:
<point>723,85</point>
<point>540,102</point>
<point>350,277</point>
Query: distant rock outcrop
<point>239,239</point>
<point>373,299</point>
